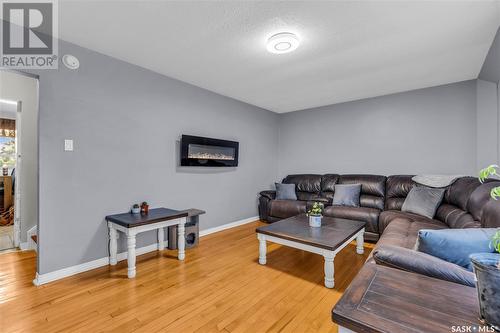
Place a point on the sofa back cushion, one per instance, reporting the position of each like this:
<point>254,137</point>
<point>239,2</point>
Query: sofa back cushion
<point>455,217</point>
<point>454,210</point>
<point>459,192</point>
<point>482,207</point>
<point>307,186</point>
<point>372,189</point>
<point>328,182</point>
<point>397,188</point>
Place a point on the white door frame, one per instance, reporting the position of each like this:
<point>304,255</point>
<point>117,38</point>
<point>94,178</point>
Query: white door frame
<point>17,187</point>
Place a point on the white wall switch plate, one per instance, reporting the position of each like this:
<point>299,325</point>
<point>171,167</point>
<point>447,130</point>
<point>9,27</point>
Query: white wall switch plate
<point>68,145</point>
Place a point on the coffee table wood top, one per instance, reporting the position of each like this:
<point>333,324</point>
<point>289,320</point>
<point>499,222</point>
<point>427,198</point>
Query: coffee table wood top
<point>333,231</point>
<point>382,299</point>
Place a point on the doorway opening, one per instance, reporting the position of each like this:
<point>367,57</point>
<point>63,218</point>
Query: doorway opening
<point>18,161</point>
<point>9,151</point>
<point>9,236</point>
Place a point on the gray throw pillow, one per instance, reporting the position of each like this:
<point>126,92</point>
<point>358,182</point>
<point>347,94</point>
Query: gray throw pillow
<point>423,201</point>
<point>347,195</point>
<point>285,191</point>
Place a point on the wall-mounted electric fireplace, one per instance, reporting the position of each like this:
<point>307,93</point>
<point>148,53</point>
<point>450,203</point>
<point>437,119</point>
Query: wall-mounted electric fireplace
<point>200,151</point>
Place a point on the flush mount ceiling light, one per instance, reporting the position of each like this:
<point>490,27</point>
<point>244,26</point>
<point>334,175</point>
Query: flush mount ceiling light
<point>283,42</point>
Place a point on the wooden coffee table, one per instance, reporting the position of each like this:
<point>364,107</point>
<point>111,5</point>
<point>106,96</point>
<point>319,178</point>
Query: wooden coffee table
<point>327,240</point>
<point>382,299</point>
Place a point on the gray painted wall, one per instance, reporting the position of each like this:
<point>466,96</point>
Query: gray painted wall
<point>422,131</point>
<point>491,67</point>
<point>489,106</point>
<point>487,124</point>
<point>125,122</point>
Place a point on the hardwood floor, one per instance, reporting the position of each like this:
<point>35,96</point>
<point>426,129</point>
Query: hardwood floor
<point>219,288</point>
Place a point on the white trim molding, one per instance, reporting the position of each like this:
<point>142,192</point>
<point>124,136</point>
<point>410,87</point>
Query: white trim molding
<point>31,245</point>
<point>87,266</point>
<point>228,226</point>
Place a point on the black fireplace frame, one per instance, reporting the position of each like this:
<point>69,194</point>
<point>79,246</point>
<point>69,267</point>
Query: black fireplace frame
<point>186,140</point>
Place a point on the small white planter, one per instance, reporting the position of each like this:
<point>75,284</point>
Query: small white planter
<point>136,210</point>
<point>315,221</point>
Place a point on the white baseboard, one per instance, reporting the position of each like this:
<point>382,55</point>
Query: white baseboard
<point>72,270</point>
<point>24,246</point>
<point>228,226</point>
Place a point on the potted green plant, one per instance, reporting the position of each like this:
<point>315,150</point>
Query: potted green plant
<point>136,209</point>
<point>487,267</point>
<point>315,214</point>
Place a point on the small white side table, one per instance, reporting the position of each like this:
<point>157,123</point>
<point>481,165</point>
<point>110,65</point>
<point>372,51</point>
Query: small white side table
<point>132,224</point>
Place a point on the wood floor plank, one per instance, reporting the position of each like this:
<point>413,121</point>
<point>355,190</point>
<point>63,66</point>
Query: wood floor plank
<point>220,287</point>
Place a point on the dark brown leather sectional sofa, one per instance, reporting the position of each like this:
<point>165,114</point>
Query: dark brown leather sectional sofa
<point>466,204</point>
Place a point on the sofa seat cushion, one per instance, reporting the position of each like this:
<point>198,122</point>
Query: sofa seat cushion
<point>404,232</point>
<point>368,215</point>
<point>387,216</point>
<point>287,208</point>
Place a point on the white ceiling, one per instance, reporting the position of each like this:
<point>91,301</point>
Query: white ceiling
<point>349,49</point>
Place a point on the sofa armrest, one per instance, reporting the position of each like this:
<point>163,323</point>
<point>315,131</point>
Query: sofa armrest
<point>271,195</point>
<point>422,263</point>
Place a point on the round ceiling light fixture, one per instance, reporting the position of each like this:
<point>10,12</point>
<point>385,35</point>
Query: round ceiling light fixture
<point>283,42</point>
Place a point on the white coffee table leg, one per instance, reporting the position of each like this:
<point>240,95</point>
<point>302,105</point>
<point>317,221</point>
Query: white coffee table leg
<point>113,236</point>
<point>360,242</point>
<point>131,255</point>
<point>262,249</point>
<point>161,244</point>
<point>181,239</point>
<point>329,269</point>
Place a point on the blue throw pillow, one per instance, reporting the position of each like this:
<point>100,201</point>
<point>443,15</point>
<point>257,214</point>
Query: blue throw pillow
<point>347,195</point>
<point>455,245</point>
<point>285,191</point>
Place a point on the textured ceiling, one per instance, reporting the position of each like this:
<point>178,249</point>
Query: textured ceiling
<point>349,49</point>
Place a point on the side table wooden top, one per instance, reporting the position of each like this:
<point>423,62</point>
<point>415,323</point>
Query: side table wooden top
<point>129,220</point>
